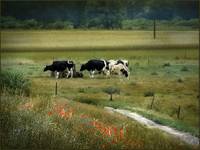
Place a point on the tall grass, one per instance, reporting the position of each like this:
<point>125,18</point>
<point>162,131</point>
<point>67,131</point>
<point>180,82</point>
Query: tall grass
<point>25,128</point>
<point>14,83</point>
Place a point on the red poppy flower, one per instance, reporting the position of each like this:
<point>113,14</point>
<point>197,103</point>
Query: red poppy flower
<point>50,113</point>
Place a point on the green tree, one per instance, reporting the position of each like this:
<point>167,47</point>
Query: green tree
<point>30,24</point>
<point>111,91</point>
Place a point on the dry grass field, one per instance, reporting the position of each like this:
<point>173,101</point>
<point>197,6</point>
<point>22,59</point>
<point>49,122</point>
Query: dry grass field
<point>84,40</point>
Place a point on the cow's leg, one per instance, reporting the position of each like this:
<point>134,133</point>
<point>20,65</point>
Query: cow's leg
<point>106,72</point>
<point>92,73</point>
<point>57,74</point>
<point>71,72</point>
<point>68,73</point>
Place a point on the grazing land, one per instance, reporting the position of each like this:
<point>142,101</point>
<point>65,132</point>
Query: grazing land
<point>167,67</point>
<point>96,40</point>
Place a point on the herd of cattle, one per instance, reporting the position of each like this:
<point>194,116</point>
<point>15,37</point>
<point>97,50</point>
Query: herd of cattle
<point>107,67</point>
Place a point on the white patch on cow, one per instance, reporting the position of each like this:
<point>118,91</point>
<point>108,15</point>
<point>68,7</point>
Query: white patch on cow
<point>116,69</point>
<point>57,74</point>
<point>71,72</point>
<point>111,63</point>
<point>105,71</point>
<point>66,72</point>
<point>92,74</point>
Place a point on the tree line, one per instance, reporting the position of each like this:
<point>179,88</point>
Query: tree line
<point>98,14</point>
<point>126,24</point>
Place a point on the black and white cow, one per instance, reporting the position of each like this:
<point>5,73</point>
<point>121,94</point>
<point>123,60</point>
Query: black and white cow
<point>112,62</point>
<point>119,67</point>
<point>94,65</point>
<point>64,67</point>
<point>123,61</point>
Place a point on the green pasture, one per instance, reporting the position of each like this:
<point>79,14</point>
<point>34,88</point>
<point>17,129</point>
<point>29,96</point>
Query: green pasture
<point>170,73</point>
<point>171,84</point>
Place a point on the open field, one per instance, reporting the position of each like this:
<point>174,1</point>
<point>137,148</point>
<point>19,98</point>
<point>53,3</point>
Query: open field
<point>174,85</point>
<point>96,40</point>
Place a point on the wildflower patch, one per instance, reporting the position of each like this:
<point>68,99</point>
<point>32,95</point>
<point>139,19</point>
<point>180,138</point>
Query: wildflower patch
<point>110,135</point>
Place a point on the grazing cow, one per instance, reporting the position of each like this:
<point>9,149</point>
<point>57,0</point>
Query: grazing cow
<point>119,69</point>
<point>58,67</point>
<point>124,62</point>
<point>111,63</point>
<point>94,65</point>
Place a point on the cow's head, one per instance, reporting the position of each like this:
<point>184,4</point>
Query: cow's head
<point>82,67</point>
<point>127,64</point>
<point>46,68</point>
<point>124,72</point>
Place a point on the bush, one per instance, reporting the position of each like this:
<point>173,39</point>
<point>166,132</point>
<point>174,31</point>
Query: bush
<point>89,101</point>
<point>184,69</point>
<point>60,25</point>
<point>13,23</point>
<point>137,24</point>
<point>193,23</point>
<point>95,23</point>
<point>180,80</point>
<point>9,23</point>
<point>111,91</point>
<point>30,24</point>
<point>14,83</point>
<point>148,93</point>
<point>154,73</point>
<point>166,65</point>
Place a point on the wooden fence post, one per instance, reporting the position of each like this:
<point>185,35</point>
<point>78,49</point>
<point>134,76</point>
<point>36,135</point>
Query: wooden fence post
<point>152,102</point>
<point>178,111</point>
<point>56,89</point>
<point>154,28</point>
<point>111,97</point>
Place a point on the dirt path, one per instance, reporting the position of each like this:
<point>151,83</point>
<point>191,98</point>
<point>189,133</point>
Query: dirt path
<point>186,137</point>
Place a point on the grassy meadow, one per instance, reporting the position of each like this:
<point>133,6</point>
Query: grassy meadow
<point>95,40</point>
<point>77,114</point>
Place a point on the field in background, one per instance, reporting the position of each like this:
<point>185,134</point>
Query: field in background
<point>96,40</point>
<point>170,73</point>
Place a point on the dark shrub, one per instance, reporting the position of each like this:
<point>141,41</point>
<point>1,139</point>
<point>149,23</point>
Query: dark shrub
<point>154,73</point>
<point>184,69</point>
<point>81,90</point>
<point>166,65</point>
<point>148,93</point>
<point>180,80</point>
<point>14,83</point>
<point>87,100</point>
<point>30,24</point>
